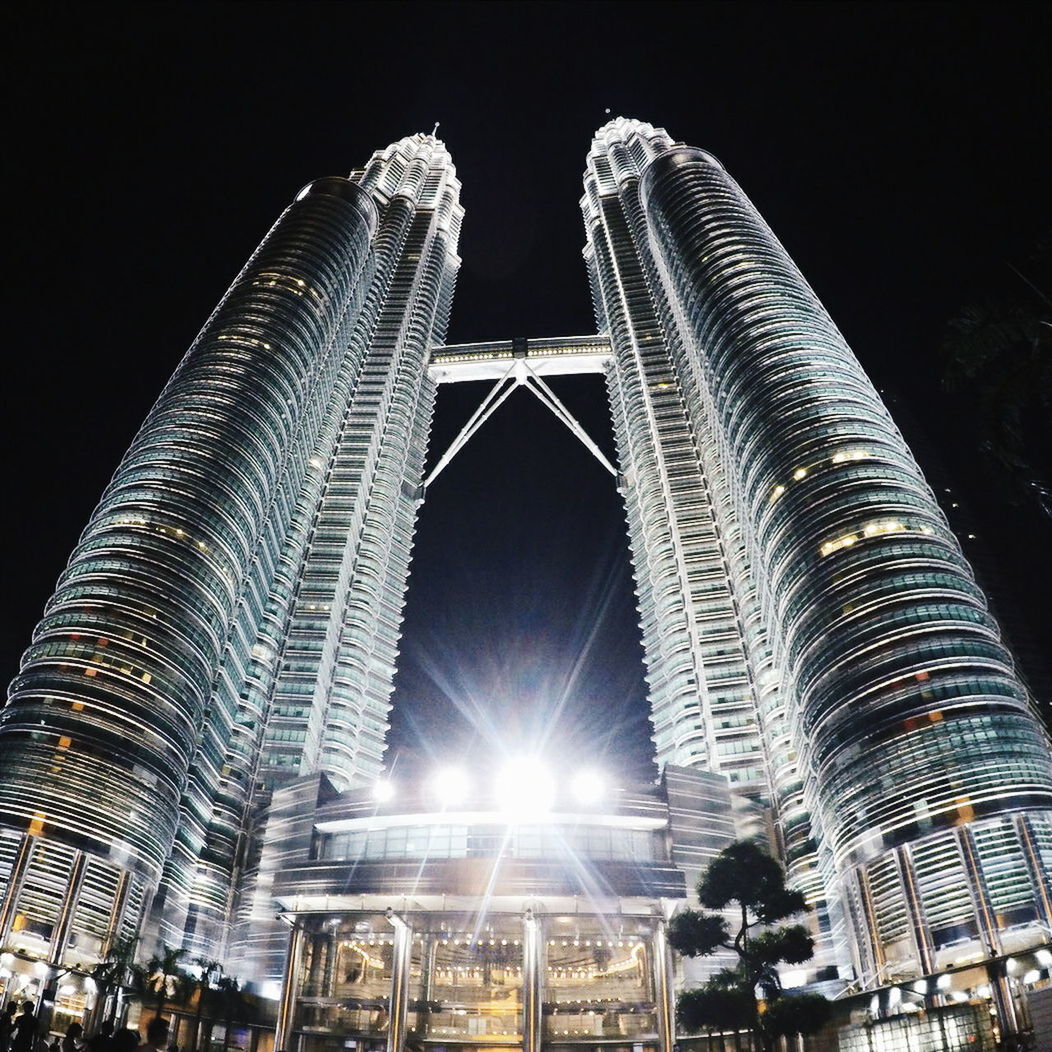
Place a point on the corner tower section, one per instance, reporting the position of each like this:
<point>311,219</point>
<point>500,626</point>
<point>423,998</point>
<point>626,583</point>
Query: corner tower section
<point>704,649</point>
<point>348,556</point>
<point>341,587</point>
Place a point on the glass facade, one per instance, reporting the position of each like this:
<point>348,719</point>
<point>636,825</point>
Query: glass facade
<point>896,734</point>
<point>229,618</point>
<point>218,656</point>
<point>466,928</point>
<point>466,978</point>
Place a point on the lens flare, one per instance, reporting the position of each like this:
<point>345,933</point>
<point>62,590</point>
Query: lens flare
<point>451,786</point>
<point>525,789</point>
<point>588,788</point>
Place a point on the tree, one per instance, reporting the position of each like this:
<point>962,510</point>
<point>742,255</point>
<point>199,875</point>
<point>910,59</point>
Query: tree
<point>115,972</point>
<point>233,1005</point>
<point>166,978</point>
<point>997,359</point>
<point>205,991</point>
<point>745,880</point>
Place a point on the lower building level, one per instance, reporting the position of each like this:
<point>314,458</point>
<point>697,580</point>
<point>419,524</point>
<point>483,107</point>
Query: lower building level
<point>529,917</point>
<point>509,980</point>
<point>528,923</point>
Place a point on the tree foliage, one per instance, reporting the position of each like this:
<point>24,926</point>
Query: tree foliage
<point>116,971</point>
<point>747,884</point>
<point>166,978</point>
<point>798,1014</point>
<point>232,1004</point>
<point>997,360</point>
<point>208,970</point>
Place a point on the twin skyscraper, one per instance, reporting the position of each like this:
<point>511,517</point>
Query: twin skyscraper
<point>229,619</point>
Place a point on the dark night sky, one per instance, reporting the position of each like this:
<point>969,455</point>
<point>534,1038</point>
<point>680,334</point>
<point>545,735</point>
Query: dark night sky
<point>901,153</point>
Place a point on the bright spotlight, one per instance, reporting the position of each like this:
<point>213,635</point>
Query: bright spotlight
<point>383,791</point>
<point>451,786</point>
<point>525,789</point>
<point>588,788</point>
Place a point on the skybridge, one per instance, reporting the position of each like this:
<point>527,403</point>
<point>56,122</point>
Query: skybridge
<point>557,356</point>
<point>518,363</point>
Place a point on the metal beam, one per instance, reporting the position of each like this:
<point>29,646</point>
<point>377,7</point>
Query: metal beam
<point>478,418</point>
<point>547,397</point>
<point>519,372</point>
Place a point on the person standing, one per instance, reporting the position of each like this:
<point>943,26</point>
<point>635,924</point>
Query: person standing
<point>102,1039</point>
<point>73,1040</point>
<point>25,1029</point>
<point>126,1040</point>
<point>156,1036</point>
<point>7,1025</point>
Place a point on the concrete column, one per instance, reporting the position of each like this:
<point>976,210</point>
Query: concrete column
<point>1038,873</point>
<point>120,901</point>
<point>66,910</point>
<point>289,991</point>
<point>328,964</point>
<point>427,982</point>
<point>1004,1003</point>
<point>14,886</point>
<point>915,910</point>
<point>403,944</point>
<point>984,912</point>
<point>661,963</point>
<point>872,941</point>
<point>532,976</point>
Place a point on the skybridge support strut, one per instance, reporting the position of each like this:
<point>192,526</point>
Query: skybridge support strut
<point>518,374</point>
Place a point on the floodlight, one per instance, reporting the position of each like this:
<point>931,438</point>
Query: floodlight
<point>588,788</point>
<point>383,791</point>
<point>525,789</point>
<point>451,786</point>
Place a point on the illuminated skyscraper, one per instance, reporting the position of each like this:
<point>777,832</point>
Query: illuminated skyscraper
<point>228,622</point>
<point>229,618</point>
<point>777,515</point>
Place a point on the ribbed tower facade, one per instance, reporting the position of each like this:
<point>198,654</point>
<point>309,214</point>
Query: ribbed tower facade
<point>229,620</point>
<point>911,777</point>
